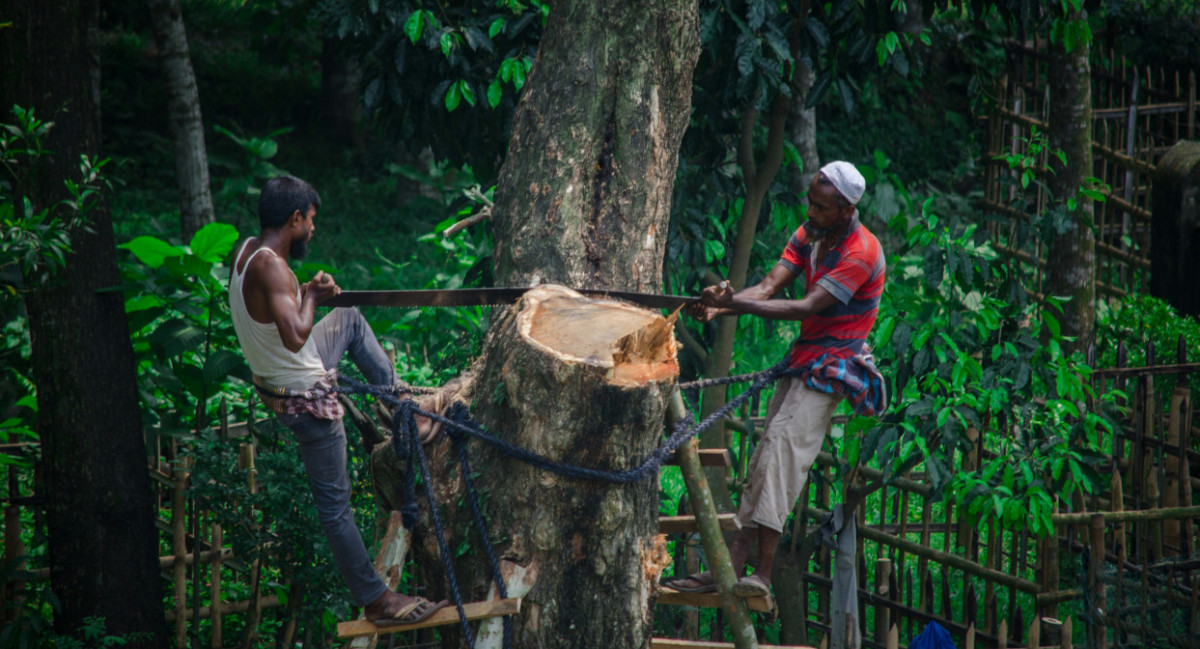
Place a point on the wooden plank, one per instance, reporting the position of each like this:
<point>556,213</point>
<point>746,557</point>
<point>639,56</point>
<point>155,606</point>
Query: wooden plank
<point>687,524</point>
<point>448,615</point>
<point>709,600</point>
<point>672,643</point>
<point>708,457</point>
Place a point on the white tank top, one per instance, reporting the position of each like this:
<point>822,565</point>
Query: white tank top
<point>261,343</point>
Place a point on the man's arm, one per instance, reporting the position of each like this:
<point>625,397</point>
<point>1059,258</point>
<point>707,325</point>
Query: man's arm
<point>756,300</point>
<point>294,318</point>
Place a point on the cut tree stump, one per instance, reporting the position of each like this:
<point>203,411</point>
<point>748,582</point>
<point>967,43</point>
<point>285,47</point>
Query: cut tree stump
<point>580,381</point>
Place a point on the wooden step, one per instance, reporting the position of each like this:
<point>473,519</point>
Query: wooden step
<point>672,643</point>
<point>708,457</point>
<point>687,524</point>
<point>710,600</point>
<point>448,615</point>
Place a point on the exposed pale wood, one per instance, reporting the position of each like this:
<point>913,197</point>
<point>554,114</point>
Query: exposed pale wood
<point>672,643</point>
<point>969,642</point>
<point>1002,635</point>
<point>709,600</point>
<point>1173,470</point>
<point>389,563</point>
<point>1066,633</point>
<point>708,457</point>
<point>1034,638</point>
<point>448,615</point>
<point>883,623</point>
<point>687,524</point>
<point>893,638</point>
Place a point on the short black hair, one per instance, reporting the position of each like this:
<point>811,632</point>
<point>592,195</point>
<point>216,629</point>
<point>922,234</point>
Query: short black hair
<point>281,196</point>
<point>838,198</point>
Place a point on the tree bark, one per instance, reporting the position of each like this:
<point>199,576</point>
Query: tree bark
<point>584,196</point>
<point>594,396</point>
<point>183,113</point>
<point>339,94</point>
<point>1071,256</point>
<point>102,542</point>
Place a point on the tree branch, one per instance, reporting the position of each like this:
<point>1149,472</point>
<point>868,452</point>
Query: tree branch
<point>483,214</point>
<point>746,147</point>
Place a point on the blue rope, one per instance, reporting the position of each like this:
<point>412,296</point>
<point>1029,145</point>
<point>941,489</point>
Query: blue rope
<point>460,426</point>
<point>407,412</point>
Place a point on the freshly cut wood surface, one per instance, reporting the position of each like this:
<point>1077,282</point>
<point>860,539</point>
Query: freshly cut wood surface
<point>685,524</point>
<point>636,343</point>
<point>672,643</point>
<point>448,615</point>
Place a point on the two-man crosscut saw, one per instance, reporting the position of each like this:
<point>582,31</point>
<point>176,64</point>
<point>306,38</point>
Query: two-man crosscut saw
<point>491,296</point>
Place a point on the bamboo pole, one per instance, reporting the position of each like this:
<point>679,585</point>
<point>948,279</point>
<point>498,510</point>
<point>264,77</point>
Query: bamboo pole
<point>1096,585</point>
<point>254,612</point>
<point>179,550</point>
<point>1173,470</point>
<point>946,559</point>
<point>883,622</point>
<point>218,543</point>
<point>711,535</point>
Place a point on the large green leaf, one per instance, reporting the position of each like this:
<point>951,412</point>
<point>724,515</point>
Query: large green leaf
<point>214,242</point>
<point>151,251</point>
<point>220,364</point>
<point>175,337</point>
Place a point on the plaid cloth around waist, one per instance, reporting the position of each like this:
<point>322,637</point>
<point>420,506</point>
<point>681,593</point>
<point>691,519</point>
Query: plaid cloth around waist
<point>319,401</point>
<point>854,377</point>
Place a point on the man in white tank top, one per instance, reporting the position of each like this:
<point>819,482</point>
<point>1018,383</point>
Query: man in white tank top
<point>290,354</point>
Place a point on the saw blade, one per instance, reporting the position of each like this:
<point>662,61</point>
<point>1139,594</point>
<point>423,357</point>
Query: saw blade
<point>490,297</point>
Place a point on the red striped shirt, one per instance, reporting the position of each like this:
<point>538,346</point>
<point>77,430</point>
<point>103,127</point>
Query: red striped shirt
<point>853,271</point>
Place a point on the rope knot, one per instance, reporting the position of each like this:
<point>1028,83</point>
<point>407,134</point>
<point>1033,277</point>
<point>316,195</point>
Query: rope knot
<point>459,413</point>
<point>408,515</point>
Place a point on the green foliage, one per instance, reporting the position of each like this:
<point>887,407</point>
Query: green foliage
<point>178,310</point>
<point>36,239</point>
<point>444,76</point>
<point>1137,27</point>
<point>964,357</point>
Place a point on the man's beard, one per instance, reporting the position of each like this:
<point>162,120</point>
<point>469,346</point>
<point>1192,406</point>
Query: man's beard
<point>298,249</point>
<point>814,233</point>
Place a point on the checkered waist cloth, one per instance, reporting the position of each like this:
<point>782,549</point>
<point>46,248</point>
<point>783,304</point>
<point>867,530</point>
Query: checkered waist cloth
<point>319,401</point>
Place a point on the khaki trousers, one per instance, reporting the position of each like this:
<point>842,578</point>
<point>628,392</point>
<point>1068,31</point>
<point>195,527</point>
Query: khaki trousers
<point>797,419</point>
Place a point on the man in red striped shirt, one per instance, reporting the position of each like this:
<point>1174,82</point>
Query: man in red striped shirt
<point>843,267</point>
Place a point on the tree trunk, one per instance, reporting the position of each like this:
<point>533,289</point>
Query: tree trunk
<point>1071,256</point>
<point>584,196</point>
<point>593,396</point>
<point>183,112</point>
<point>802,122</point>
<point>102,542</point>
<point>757,178</point>
<point>340,76</point>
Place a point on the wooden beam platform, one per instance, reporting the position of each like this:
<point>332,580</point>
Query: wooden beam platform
<point>448,615</point>
<point>708,457</point>
<point>687,524</point>
<point>710,600</point>
<point>671,643</point>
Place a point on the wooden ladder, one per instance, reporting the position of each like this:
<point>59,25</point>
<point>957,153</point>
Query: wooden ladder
<point>388,563</point>
<point>710,525</point>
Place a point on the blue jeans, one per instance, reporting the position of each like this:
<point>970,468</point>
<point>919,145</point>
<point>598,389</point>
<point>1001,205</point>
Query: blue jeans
<point>323,447</point>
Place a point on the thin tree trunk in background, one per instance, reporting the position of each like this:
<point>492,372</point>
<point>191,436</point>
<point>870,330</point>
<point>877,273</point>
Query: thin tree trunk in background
<point>1071,256</point>
<point>339,94</point>
<point>103,547</point>
<point>183,112</point>
<point>802,129</point>
<point>757,178</point>
<point>584,196</point>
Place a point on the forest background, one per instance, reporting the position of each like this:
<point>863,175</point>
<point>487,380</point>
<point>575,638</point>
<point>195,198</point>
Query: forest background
<point>400,114</point>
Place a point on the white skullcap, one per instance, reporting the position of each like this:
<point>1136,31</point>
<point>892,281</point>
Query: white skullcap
<point>846,180</point>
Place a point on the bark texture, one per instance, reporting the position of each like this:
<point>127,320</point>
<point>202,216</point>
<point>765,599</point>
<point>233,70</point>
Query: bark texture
<point>183,113</point>
<point>103,544</point>
<point>1071,256</point>
<point>584,196</point>
<point>584,382</point>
